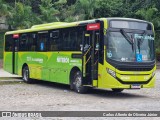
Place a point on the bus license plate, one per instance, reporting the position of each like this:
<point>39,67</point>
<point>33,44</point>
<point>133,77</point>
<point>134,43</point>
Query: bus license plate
<point>135,86</point>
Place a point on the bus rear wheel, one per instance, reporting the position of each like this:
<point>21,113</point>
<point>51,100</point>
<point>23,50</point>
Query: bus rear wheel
<point>117,90</point>
<point>77,83</point>
<point>25,75</point>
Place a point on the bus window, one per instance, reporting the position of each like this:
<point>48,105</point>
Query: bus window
<point>8,43</point>
<point>42,41</point>
<point>55,34</point>
<point>79,39</point>
<point>54,41</point>
<point>32,41</point>
<point>23,43</point>
<point>73,40</point>
<point>65,40</point>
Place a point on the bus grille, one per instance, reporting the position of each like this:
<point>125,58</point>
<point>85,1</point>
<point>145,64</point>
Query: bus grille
<point>135,69</point>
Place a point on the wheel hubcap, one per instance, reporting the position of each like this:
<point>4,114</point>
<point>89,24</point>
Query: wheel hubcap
<point>25,75</point>
<point>78,82</point>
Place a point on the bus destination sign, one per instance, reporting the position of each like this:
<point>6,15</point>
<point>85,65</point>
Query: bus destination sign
<point>16,36</point>
<point>94,26</point>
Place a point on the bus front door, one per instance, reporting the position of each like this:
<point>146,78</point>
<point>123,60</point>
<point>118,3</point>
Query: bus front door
<point>91,43</point>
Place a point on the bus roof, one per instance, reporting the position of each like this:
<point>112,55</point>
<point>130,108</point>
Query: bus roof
<point>49,26</point>
<point>128,19</point>
<point>56,25</point>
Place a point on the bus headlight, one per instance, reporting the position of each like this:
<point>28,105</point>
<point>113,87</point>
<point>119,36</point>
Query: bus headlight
<point>111,72</point>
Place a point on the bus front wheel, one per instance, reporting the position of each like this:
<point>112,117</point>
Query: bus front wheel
<point>77,83</point>
<point>117,90</point>
<point>25,75</point>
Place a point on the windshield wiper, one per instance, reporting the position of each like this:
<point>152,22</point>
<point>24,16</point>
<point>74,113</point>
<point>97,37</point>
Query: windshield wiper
<point>140,41</point>
<point>126,36</point>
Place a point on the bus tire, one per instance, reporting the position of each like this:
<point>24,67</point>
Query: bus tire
<point>77,83</point>
<point>25,75</point>
<point>117,90</point>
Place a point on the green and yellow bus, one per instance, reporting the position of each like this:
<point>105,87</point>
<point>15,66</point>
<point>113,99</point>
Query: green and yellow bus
<point>115,53</point>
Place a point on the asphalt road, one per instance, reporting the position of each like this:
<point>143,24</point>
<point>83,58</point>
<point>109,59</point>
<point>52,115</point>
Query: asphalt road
<point>45,96</point>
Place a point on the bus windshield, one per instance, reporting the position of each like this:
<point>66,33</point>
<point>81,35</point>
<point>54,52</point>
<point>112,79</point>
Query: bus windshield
<point>130,47</point>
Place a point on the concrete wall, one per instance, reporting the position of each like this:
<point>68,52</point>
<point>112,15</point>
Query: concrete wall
<point>3,25</point>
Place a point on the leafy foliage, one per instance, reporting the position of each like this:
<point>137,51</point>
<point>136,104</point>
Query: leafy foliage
<point>43,11</point>
<point>47,11</point>
<point>86,8</point>
<point>3,8</point>
<point>21,16</point>
<point>112,8</point>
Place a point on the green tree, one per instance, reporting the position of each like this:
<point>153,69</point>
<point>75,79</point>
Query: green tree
<point>35,6</point>
<point>67,11</point>
<point>112,8</point>
<point>20,17</point>
<point>86,8</point>
<point>3,8</point>
<point>47,11</point>
<point>71,2</point>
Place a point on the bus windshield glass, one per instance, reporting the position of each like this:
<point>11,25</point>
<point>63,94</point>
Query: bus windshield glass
<point>130,25</point>
<point>130,47</point>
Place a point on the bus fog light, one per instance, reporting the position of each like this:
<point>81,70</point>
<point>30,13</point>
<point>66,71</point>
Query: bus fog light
<point>153,73</point>
<point>111,72</point>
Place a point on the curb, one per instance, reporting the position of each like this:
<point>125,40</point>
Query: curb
<point>9,81</point>
<point>7,78</point>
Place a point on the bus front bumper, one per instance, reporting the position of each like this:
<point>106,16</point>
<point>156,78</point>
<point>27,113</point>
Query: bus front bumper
<point>127,81</point>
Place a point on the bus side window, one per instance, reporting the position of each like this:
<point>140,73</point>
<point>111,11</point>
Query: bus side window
<point>65,40</point>
<point>72,41</point>
<point>42,41</point>
<point>54,41</point>
<point>23,43</point>
<point>79,39</point>
<point>8,42</point>
<point>32,42</point>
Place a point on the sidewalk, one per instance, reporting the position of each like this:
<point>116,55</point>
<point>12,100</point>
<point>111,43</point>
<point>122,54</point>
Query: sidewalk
<point>4,74</point>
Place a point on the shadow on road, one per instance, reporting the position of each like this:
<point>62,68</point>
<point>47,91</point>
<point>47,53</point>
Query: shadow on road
<point>110,94</point>
<point>93,92</point>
